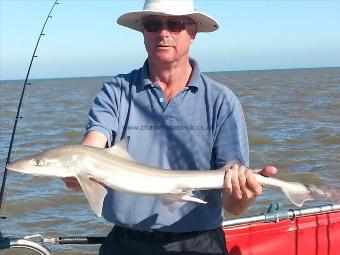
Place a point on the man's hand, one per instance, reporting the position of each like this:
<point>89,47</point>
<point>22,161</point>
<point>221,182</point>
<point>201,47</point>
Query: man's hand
<point>94,139</point>
<point>241,187</point>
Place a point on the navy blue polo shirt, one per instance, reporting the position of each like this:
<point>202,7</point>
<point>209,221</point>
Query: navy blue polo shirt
<point>201,128</point>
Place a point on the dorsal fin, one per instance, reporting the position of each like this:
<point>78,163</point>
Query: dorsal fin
<point>121,149</point>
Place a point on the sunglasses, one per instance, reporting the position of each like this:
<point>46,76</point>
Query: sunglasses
<point>156,25</point>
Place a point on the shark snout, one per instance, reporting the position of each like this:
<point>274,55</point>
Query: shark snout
<point>19,165</point>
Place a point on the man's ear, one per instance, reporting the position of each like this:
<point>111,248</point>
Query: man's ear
<point>193,36</point>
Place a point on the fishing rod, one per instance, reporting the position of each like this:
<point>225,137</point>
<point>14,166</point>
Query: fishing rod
<point>17,117</point>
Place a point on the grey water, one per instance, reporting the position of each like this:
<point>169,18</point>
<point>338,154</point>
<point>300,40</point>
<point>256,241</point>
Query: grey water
<point>293,119</point>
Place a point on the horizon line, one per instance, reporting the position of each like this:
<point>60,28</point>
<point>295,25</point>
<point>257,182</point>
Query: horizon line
<point>206,72</point>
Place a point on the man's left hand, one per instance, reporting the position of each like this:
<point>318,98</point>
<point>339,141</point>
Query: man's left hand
<point>241,187</point>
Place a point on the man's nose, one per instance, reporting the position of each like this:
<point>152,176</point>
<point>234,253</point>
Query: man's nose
<point>164,33</point>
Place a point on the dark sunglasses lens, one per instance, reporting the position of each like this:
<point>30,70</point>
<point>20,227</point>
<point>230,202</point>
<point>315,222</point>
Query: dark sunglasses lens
<point>176,25</point>
<point>152,25</point>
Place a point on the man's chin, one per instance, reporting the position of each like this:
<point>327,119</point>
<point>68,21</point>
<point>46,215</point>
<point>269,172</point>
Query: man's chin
<point>166,58</point>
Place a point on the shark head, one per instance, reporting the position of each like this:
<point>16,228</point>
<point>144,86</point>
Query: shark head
<point>48,163</point>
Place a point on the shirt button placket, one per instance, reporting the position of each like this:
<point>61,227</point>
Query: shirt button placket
<point>160,95</point>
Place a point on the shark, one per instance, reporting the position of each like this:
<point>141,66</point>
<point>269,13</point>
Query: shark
<point>97,169</point>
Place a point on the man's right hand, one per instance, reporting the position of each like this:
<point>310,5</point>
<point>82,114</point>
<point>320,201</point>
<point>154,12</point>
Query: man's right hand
<point>92,138</point>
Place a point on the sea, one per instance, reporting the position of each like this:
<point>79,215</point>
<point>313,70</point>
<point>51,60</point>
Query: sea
<point>293,119</point>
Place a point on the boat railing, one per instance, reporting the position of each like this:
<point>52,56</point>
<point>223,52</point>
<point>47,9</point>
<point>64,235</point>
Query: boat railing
<point>277,214</point>
<point>25,243</point>
<point>38,243</point>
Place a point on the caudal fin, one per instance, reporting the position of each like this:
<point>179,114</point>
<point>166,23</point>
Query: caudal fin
<point>297,196</point>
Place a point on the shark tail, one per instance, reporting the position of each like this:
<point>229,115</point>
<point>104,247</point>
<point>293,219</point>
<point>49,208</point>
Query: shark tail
<point>298,195</point>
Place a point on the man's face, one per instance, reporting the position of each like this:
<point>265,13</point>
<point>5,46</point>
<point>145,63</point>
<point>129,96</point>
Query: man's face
<point>167,39</point>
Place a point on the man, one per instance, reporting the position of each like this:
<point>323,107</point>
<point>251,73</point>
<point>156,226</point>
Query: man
<point>176,118</point>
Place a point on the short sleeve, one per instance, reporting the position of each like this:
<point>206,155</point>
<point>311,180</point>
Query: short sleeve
<point>231,139</point>
<point>103,115</point>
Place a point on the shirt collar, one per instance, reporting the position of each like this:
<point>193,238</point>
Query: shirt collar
<point>194,82</point>
<point>145,75</point>
<point>195,79</point>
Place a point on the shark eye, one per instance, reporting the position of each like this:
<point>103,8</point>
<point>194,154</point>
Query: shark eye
<point>38,162</point>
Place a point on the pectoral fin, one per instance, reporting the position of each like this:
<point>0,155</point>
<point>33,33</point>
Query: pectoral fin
<point>94,191</point>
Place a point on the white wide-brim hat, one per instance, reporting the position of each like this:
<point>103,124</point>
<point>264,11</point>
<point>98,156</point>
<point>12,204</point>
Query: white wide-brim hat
<point>186,8</point>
